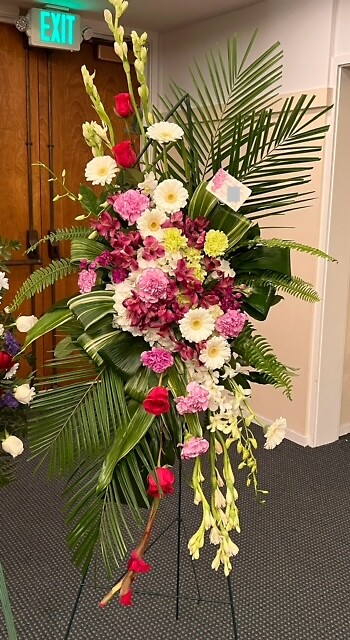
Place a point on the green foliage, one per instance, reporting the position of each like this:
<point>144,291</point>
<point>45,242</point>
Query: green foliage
<point>91,202</point>
<point>41,279</point>
<point>50,321</point>
<point>97,520</point>
<point>287,244</point>
<point>84,249</point>
<point>7,247</point>
<point>7,469</point>
<point>233,126</point>
<point>256,352</point>
<point>293,285</point>
<point>69,233</point>
<point>6,608</point>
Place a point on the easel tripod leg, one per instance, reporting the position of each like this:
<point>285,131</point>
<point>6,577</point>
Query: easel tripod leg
<point>232,606</point>
<point>74,610</point>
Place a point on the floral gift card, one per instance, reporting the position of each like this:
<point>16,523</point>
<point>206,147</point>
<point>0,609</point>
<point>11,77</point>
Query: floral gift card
<point>228,189</point>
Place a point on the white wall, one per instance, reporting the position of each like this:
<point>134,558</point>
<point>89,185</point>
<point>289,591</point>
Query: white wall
<point>304,28</point>
<point>307,30</point>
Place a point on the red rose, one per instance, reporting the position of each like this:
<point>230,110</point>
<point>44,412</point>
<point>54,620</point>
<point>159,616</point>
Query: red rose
<point>157,401</point>
<point>123,105</point>
<point>125,155</point>
<point>126,599</point>
<point>166,481</point>
<point>6,361</point>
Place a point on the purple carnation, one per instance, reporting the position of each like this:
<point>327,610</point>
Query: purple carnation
<point>159,360</point>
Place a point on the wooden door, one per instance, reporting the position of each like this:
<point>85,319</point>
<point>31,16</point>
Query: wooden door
<point>42,109</point>
<point>69,108</point>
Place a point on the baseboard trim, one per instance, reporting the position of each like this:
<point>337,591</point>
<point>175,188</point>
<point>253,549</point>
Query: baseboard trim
<point>344,429</point>
<point>291,435</point>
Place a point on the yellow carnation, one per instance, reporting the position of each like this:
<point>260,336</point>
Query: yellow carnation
<point>216,243</point>
<point>174,240</point>
<point>193,257</point>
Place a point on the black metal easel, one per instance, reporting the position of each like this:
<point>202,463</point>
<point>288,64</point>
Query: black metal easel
<point>178,520</point>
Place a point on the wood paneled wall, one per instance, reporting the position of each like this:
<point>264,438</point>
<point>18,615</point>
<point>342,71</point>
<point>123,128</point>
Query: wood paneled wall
<point>43,105</point>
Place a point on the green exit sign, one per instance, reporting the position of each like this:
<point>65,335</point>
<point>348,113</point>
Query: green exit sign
<point>54,29</point>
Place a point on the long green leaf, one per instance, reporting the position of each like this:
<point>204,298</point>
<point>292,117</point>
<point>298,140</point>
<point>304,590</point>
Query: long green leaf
<point>6,608</point>
<point>126,438</point>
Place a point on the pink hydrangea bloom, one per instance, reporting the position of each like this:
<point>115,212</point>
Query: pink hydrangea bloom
<point>86,280</point>
<point>197,399</point>
<point>130,205</point>
<point>159,360</point>
<point>231,324</point>
<point>194,447</point>
<point>153,285</point>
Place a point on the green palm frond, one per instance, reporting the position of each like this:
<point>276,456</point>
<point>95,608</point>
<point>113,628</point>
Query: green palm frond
<point>233,126</point>
<point>98,520</point>
<point>69,233</point>
<point>285,244</point>
<point>293,285</point>
<point>256,352</point>
<point>77,419</point>
<point>226,89</point>
<point>41,279</point>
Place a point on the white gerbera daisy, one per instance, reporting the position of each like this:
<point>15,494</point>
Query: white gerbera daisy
<point>170,195</point>
<point>164,132</point>
<point>150,223</point>
<point>215,353</point>
<point>149,184</point>
<point>197,325</point>
<point>101,170</point>
<point>275,433</point>
<point>4,283</point>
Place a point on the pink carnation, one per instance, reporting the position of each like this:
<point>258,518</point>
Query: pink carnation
<point>153,285</point>
<point>86,280</point>
<point>193,448</point>
<point>197,400</point>
<point>159,360</point>
<point>231,324</point>
<point>130,205</point>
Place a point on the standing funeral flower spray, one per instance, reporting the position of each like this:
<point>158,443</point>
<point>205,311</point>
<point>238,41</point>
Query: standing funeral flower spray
<point>158,350</point>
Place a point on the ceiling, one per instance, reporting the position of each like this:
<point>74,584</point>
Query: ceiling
<point>154,15</point>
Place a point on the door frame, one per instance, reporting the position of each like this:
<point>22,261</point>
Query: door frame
<point>330,320</point>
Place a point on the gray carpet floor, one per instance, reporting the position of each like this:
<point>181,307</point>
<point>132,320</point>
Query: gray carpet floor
<point>290,581</point>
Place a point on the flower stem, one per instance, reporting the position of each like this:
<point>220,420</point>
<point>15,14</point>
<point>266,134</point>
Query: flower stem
<point>125,584</point>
